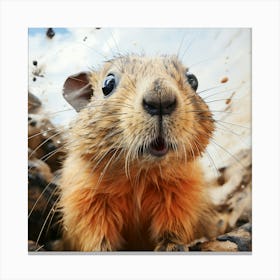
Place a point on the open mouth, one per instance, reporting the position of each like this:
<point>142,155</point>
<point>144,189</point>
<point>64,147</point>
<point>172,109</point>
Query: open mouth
<point>158,147</point>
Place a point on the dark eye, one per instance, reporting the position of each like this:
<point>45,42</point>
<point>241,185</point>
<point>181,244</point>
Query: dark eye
<point>192,80</point>
<point>109,84</point>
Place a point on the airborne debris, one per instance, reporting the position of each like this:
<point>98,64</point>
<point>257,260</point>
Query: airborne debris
<point>50,33</point>
<point>224,80</point>
<point>230,98</point>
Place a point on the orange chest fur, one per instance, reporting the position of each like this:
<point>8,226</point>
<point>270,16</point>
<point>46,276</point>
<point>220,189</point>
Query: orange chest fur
<point>132,209</point>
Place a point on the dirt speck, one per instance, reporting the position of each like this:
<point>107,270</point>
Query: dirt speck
<point>224,80</point>
<point>230,98</point>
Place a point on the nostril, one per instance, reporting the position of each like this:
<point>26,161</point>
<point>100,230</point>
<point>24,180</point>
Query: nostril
<point>152,107</point>
<point>168,106</point>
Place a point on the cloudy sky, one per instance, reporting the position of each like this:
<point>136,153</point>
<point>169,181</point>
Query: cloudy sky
<point>211,54</point>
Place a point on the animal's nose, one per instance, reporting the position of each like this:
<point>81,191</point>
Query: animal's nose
<point>159,106</point>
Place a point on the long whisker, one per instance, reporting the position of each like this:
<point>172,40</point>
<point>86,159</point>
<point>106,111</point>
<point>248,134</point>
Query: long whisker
<point>229,153</point>
<point>44,131</point>
<point>44,224</point>
<point>52,153</point>
<point>208,89</point>
<point>234,124</point>
<point>203,61</point>
<point>218,100</point>
<point>39,146</point>
<point>190,44</point>
<point>40,196</point>
<point>53,192</point>
<point>54,211</point>
<point>219,92</point>
<point>180,45</point>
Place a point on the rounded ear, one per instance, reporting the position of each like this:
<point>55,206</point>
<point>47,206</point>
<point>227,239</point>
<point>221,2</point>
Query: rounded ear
<point>77,90</point>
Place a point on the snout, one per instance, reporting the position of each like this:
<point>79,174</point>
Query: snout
<point>160,99</point>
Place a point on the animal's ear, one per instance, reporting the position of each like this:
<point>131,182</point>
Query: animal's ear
<point>77,90</point>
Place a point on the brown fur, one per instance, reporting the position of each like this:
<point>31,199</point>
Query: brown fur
<point>113,197</point>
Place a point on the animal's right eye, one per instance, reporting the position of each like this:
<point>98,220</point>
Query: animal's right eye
<point>109,84</point>
<point>192,80</point>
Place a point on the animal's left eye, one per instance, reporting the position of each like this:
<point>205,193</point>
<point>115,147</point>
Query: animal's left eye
<point>192,80</point>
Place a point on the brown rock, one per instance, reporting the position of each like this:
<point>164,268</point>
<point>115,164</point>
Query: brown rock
<point>45,141</point>
<point>34,103</point>
<point>42,202</point>
<point>232,193</point>
<point>238,240</point>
